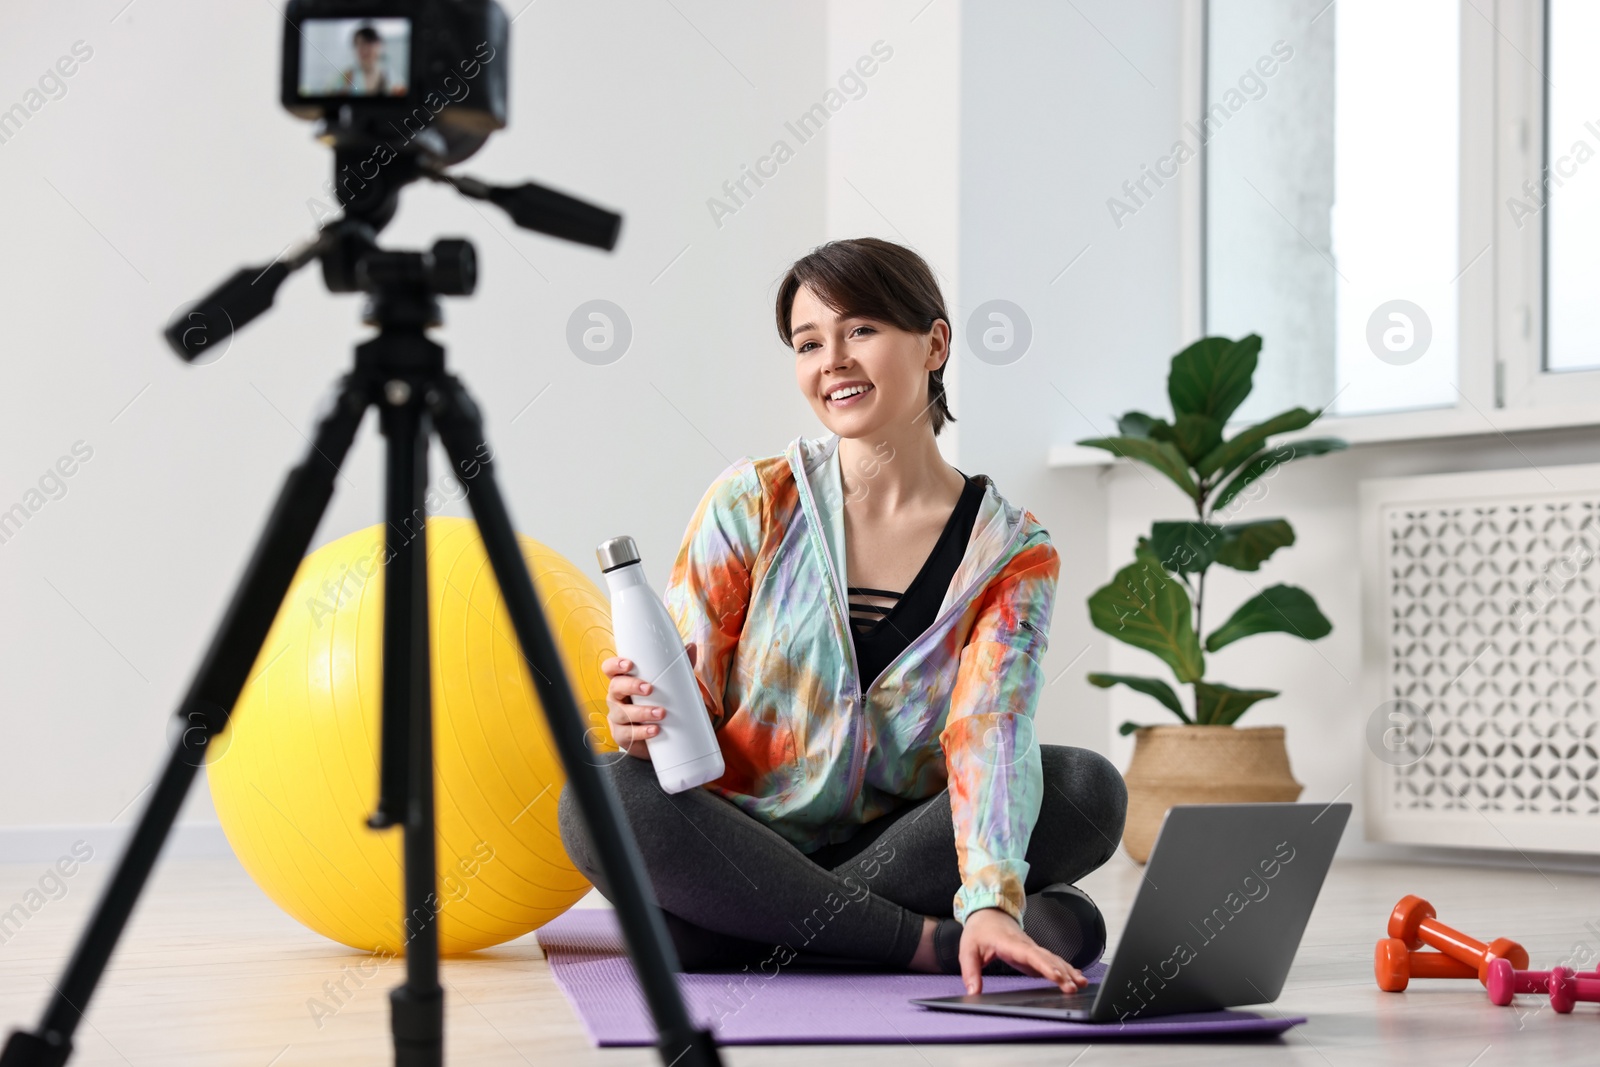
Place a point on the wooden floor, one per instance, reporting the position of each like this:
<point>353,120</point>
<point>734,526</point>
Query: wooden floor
<point>212,973</point>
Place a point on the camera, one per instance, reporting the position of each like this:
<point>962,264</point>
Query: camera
<point>400,89</point>
<point>427,77</point>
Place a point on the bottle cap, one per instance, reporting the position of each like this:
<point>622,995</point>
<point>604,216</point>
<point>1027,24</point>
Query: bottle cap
<point>617,552</point>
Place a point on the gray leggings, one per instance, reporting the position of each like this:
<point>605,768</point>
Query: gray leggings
<point>731,889</point>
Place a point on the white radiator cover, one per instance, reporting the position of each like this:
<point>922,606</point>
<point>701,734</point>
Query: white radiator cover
<point>1479,609</point>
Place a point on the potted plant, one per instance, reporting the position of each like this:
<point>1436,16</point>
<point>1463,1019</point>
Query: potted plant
<point>1156,602</point>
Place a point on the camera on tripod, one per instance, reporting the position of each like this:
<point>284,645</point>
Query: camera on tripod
<point>429,75</point>
<point>401,89</point>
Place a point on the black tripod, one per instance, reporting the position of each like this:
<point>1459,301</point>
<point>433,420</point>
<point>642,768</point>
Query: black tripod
<point>401,372</point>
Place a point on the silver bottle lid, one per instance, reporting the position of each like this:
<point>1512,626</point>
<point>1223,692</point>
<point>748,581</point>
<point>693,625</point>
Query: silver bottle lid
<point>617,552</point>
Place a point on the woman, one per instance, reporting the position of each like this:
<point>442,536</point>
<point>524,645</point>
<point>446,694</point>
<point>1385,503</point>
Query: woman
<point>368,77</point>
<point>866,623</point>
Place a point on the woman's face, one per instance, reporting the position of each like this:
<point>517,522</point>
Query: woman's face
<point>368,53</point>
<point>892,363</point>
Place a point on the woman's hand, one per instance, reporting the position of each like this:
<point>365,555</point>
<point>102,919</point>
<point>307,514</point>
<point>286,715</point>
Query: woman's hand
<point>990,932</point>
<point>631,723</point>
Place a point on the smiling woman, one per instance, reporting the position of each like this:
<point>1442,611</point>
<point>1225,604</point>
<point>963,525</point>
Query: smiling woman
<point>866,281</point>
<point>866,625</point>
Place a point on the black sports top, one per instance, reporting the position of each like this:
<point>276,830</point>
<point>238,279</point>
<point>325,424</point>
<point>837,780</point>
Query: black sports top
<point>881,632</point>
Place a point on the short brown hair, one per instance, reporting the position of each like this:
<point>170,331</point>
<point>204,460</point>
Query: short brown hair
<point>879,280</point>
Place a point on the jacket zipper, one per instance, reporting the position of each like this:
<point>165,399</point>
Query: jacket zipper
<point>859,767</point>
<point>858,762</point>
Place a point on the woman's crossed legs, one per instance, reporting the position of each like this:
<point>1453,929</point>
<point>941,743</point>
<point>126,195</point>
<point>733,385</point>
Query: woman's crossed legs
<point>732,888</point>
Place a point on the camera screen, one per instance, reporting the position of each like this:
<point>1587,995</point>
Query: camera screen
<point>355,57</point>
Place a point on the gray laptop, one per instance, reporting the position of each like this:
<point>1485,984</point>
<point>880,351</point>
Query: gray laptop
<point>1216,923</point>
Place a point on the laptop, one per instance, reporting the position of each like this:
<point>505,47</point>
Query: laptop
<point>1216,923</point>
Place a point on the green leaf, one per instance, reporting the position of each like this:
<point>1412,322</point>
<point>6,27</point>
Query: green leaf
<point>1247,545</point>
<point>1262,462</point>
<point>1196,436</point>
<point>1221,705</point>
<point>1138,424</point>
<point>1127,728</point>
<point>1244,444</point>
<point>1153,687</point>
<point>1276,609</point>
<point>1212,376</point>
<point>1161,455</point>
<point>1147,608</point>
<point>1185,547</point>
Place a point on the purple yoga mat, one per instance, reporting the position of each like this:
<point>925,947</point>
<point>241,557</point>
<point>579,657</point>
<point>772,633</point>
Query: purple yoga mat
<point>795,1006</point>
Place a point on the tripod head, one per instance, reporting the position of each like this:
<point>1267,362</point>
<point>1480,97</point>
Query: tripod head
<point>369,175</point>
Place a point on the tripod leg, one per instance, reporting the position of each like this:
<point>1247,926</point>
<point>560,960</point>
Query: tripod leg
<point>461,429</point>
<point>204,712</point>
<point>416,1009</point>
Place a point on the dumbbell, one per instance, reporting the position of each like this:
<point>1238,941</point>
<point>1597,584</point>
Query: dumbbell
<point>1506,981</point>
<point>1567,988</point>
<point>1415,922</point>
<point>1395,965</point>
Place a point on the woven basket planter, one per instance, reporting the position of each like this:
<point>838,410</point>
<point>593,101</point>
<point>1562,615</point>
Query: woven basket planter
<point>1201,765</point>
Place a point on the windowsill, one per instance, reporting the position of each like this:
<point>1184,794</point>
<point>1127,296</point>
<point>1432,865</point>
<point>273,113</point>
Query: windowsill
<point>1391,427</point>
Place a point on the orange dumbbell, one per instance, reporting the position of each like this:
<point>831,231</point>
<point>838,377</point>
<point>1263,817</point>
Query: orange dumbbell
<point>1395,965</point>
<point>1415,922</point>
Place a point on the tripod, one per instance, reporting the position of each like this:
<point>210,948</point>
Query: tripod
<point>401,372</point>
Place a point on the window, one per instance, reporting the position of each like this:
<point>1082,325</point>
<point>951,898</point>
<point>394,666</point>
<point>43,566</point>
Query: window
<point>1571,196</point>
<point>1407,209</point>
<point>1332,210</point>
<point>1396,203</point>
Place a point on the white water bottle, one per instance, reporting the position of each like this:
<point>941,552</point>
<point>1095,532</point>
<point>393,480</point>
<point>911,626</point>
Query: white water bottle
<point>685,752</point>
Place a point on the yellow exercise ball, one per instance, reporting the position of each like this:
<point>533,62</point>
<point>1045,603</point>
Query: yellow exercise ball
<point>295,775</point>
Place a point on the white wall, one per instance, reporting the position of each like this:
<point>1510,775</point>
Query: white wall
<point>894,154</point>
<point>168,163</point>
<point>971,143</point>
<point>1062,103</point>
<point>990,141</point>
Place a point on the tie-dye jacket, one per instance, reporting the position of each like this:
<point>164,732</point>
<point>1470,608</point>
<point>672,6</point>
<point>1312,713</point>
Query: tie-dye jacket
<point>758,588</point>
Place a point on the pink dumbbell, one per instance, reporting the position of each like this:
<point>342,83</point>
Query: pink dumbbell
<point>1506,981</point>
<point>1567,988</point>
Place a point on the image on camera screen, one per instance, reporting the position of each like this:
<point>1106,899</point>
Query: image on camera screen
<point>355,57</point>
